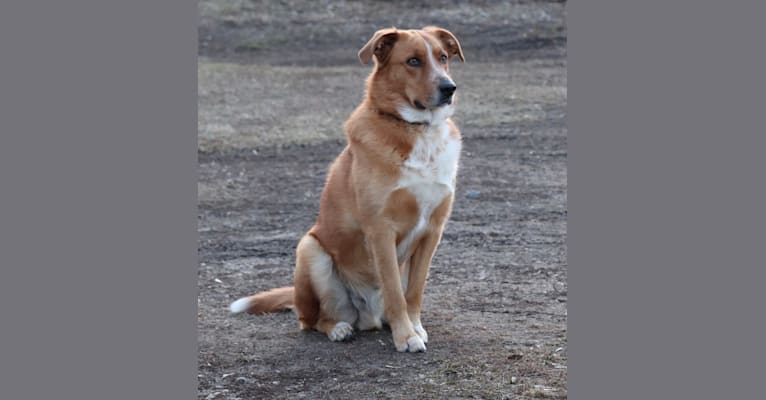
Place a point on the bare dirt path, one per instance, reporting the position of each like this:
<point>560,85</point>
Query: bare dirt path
<point>495,304</point>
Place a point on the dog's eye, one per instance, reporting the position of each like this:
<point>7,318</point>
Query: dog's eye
<point>443,59</point>
<point>413,62</point>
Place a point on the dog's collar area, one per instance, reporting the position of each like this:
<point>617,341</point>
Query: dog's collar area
<point>400,119</point>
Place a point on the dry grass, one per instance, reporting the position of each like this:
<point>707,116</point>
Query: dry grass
<point>540,373</point>
<point>247,106</point>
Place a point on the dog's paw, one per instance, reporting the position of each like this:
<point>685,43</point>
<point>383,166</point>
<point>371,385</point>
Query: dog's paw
<point>413,344</point>
<point>421,332</point>
<point>342,331</point>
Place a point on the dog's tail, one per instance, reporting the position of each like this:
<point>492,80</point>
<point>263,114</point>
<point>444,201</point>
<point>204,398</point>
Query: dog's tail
<point>274,300</point>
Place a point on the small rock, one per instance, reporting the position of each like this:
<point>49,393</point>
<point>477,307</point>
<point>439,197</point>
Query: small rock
<point>514,380</point>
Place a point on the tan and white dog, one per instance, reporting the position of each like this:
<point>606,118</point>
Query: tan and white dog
<point>386,199</point>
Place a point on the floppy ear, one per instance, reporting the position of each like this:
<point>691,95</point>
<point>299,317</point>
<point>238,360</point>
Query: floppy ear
<point>381,44</point>
<point>449,41</point>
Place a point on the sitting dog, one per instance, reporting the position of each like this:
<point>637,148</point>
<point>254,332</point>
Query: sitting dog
<point>386,199</point>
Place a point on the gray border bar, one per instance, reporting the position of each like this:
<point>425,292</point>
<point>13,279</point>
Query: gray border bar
<point>98,172</point>
<point>666,199</point>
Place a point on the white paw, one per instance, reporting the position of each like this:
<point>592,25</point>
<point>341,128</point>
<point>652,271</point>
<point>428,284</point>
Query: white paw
<point>421,332</point>
<point>415,344</point>
<point>342,331</point>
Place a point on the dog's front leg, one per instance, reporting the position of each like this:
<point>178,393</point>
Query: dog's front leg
<point>420,263</point>
<point>383,245</point>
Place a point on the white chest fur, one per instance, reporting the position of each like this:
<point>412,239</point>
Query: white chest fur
<point>429,174</point>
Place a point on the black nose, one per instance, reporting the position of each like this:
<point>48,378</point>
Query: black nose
<point>447,88</point>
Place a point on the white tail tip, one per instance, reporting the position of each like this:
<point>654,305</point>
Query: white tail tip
<point>240,305</point>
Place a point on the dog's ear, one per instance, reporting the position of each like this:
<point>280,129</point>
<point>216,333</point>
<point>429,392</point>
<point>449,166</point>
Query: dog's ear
<point>380,45</point>
<point>449,41</point>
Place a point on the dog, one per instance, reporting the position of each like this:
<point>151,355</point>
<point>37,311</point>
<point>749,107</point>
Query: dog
<point>386,199</point>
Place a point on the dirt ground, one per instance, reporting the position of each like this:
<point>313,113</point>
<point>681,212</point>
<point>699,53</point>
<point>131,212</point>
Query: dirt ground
<point>275,85</point>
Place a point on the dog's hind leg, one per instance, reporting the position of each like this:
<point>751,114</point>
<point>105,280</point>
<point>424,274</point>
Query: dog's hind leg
<point>322,301</point>
<point>306,300</point>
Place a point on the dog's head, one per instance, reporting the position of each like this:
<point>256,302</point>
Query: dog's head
<point>411,75</point>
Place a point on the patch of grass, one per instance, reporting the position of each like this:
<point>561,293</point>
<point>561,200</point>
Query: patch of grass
<point>471,376</point>
<point>538,375</point>
<point>256,45</point>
